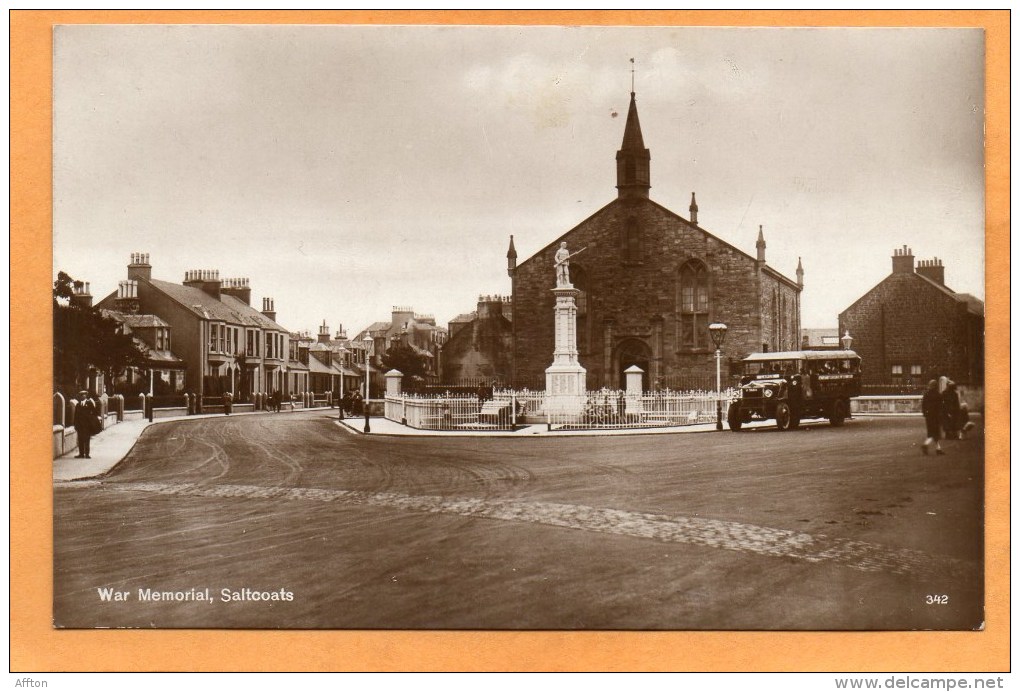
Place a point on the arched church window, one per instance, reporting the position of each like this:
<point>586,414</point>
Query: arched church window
<point>694,306</point>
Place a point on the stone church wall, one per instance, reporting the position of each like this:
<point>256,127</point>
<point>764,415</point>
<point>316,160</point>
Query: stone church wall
<point>630,275</point>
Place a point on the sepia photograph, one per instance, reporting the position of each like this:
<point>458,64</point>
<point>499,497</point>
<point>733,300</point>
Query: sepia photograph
<point>531,328</point>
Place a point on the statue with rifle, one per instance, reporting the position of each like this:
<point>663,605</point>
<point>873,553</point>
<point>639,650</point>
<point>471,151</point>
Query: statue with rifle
<point>562,264</point>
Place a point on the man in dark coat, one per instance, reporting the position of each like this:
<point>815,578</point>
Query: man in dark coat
<point>931,407</point>
<point>84,423</point>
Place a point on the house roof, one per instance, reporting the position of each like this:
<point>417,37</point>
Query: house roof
<point>162,358</point>
<point>136,321</point>
<point>974,305</point>
<point>317,366</point>
<point>227,309</point>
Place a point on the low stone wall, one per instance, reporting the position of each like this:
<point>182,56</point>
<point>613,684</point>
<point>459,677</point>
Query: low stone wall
<point>169,412</point>
<point>906,403</point>
<point>64,440</point>
<point>911,403</point>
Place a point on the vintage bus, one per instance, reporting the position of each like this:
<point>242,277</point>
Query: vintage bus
<point>789,386</point>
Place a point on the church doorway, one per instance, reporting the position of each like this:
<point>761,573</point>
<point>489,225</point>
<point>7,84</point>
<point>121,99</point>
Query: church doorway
<point>633,352</point>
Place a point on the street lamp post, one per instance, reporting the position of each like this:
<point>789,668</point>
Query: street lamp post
<point>340,404</point>
<point>368,376</point>
<point>718,332</point>
<point>846,339</point>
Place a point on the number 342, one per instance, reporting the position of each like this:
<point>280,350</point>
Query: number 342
<point>936,599</point>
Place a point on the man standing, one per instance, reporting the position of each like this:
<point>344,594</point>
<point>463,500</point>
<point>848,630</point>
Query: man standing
<point>84,423</point>
<point>931,407</point>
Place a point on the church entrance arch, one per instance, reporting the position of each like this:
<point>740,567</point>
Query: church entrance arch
<point>633,352</point>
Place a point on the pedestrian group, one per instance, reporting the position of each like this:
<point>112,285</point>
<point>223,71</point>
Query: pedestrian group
<point>945,414</point>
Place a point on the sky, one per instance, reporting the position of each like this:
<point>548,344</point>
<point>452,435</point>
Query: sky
<point>346,170</point>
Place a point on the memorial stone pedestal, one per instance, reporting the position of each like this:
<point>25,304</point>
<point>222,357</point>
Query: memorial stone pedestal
<point>565,380</point>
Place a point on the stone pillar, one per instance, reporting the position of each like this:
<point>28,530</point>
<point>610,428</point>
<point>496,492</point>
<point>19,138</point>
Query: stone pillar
<point>633,375</point>
<point>565,379</point>
<point>394,380</point>
<point>59,404</point>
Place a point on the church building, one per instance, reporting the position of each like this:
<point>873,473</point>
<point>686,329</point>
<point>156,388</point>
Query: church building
<point>650,283</point>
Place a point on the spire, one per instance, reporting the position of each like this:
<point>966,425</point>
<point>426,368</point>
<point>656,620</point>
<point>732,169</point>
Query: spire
<point>800,273</point>
<point>511,258</point>
<point>694,210</point>
<point>632,160</point>
<point>760,244</point>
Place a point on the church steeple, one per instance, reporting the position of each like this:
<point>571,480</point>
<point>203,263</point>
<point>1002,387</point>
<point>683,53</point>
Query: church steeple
<point>633,177</point>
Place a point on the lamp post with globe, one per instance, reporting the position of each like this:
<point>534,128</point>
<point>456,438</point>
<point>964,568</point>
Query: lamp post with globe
<point>718,332</point>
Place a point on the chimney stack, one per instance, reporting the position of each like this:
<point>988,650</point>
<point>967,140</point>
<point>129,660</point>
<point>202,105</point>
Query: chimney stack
<point>139,267</point>
<point>239,288</point>
<point>932,269</point>
<point>323,333</point>
<point>903,261</point>
<point>81,297</point>
<point>207,280</point>
<point>268,309</point>
<point>127,297</point>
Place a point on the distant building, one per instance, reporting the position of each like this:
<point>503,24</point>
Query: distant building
<point>330,360</point>
<point>820,339</point>
<point>480,344</point>
<point>420,332</point>
<point>911,327</point>
<point>650,284</point>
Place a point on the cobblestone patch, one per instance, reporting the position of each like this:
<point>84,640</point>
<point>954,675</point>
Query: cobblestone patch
<point>749,538</point>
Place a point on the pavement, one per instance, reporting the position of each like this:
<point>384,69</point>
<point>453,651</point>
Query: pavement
<point>111,446</point>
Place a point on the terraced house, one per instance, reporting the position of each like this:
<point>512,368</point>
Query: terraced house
<point>225,343</point>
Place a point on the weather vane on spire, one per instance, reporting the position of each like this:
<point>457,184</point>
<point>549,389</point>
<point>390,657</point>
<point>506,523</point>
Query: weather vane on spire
<point>632,75</point>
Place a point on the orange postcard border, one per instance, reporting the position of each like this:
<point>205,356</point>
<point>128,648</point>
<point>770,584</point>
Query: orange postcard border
<point>36,647</point>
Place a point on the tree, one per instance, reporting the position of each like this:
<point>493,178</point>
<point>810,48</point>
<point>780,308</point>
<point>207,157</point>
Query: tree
<point>406,359</point>
<point>85,340</point>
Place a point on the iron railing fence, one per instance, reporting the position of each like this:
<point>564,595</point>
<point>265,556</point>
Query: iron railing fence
<point>528,402</point>
<point>615,409</point>
<point>594,410</point>
<point>453,412</point>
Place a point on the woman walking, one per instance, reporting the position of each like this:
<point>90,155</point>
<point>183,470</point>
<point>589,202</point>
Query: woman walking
<point>931,407</point>
<point>951,411</point>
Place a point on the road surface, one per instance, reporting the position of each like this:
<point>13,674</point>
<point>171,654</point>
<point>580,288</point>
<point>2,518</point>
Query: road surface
<point>293,521</point>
